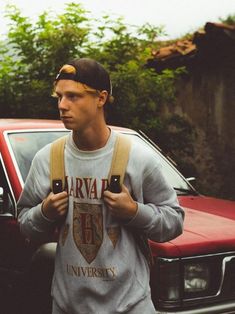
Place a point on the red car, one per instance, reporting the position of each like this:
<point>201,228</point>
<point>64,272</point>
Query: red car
<point>194,273</point>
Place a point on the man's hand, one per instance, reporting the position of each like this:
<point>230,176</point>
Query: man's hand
<point>55,206</point>
<point>121,204</point>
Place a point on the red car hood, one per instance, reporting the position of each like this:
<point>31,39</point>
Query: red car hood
<point>209,227</point>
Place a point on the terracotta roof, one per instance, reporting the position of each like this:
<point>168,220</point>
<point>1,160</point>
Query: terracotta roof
<point>215,43</point>
<point>179,48</point>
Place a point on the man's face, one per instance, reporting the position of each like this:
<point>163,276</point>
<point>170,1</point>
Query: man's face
<point>79,108</point>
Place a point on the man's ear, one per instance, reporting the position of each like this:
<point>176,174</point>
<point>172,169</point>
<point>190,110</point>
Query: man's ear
<point>103,95</point>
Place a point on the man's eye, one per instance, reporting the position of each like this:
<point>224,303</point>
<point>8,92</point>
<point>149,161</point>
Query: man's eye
<point>72,97</point>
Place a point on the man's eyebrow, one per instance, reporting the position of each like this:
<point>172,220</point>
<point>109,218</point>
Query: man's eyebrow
<point>73,93</point>
<point>58,93</point>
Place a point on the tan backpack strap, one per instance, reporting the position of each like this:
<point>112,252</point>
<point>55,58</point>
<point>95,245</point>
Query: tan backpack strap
<point>57,171</point>
<point>120,157</point>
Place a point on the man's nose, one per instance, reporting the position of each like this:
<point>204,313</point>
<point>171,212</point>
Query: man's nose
<point>63,104</point>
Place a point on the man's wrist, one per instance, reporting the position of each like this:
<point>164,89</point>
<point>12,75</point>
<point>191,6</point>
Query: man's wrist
<point>44,215</point>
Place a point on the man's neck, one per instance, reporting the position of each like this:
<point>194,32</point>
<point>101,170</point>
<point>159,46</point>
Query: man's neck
<point>90,139</point>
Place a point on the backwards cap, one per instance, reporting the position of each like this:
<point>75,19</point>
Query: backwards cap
<point>88,72</point>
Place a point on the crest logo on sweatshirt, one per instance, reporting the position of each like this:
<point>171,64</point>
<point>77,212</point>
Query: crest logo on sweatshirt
<point>114,233</point>
<point>88,229</point>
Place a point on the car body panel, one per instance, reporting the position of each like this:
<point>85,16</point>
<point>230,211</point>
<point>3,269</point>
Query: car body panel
<point>203,233</point>
<point>219,207</point>
<point>209,226</point>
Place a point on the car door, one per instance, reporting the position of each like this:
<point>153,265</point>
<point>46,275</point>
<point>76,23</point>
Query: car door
<point>15,251</point>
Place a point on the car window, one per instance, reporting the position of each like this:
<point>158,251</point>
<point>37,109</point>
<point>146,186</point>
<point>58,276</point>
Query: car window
<point>172,175</point>
<point>26,144</point>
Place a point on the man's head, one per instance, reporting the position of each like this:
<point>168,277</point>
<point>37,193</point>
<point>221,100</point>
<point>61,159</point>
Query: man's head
<point>88,72</point>
<point>82,87</point>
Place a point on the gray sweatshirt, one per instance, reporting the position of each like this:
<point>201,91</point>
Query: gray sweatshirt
<point>99,267</point>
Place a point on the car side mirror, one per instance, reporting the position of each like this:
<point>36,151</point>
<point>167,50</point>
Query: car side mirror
<point>190,179</point>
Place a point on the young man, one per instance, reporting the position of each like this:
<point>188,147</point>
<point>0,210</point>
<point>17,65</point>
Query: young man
<point>99,266</point>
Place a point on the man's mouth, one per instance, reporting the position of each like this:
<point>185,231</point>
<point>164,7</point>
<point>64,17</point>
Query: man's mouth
<point>65,117</point>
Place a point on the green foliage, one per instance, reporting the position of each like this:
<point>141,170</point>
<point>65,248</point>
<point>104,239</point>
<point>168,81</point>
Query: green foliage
<point>230,19</point>
<point>35,52</point>
<point>34,55</point>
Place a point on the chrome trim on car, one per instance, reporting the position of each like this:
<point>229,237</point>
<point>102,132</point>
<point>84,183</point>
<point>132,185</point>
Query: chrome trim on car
<point>225,308</point>
<point>166,259</point>
<point>208,255</point>
<point>10,187</point>
<point>225,260</point>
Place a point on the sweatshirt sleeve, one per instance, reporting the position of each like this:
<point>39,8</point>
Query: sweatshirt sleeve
<point>159,214</point>
<point>33,224</point>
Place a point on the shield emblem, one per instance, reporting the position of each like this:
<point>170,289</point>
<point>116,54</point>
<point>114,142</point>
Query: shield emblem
<point>88,229</point>
<point>114,234</point>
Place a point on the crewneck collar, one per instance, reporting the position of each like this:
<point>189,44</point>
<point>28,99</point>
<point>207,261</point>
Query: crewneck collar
<point>92,153</point>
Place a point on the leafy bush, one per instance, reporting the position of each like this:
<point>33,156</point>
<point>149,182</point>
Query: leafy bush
<point>33,53</point>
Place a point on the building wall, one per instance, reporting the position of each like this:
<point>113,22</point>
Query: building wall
<point>207,99</point>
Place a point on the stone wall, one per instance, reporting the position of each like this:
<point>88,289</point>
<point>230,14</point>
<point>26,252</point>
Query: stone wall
<point>206,97</point>
<point>207,100</point>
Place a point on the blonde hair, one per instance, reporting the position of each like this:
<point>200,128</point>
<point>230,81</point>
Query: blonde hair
<point>67,68</point>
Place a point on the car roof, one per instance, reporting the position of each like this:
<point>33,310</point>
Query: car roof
<point>24,124</point>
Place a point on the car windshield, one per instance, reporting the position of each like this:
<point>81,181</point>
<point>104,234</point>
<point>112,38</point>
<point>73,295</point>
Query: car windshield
<point>25,145</point>
<point>172,175</point>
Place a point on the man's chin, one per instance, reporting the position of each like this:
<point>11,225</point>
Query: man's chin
<point>70,126</point>
<point>67,123</point>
